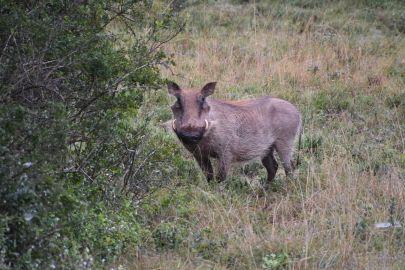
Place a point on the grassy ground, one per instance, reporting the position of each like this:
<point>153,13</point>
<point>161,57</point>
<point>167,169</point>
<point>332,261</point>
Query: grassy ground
<point>343,65</point>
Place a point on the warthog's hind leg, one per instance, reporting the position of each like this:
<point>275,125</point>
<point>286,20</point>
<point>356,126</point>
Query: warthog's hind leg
<point>270,163</point>
<point>284,150</point>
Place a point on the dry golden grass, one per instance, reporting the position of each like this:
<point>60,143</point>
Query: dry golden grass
<point>349,180</point>
<point>261,56</point>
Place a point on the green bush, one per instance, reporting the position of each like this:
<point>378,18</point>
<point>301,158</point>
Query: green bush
<point>169,235</point>
<point>72,158</point>
<point>206,245</point>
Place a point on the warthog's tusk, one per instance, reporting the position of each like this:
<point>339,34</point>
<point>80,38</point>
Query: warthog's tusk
<point>173,126</point>
<point>206,124</point>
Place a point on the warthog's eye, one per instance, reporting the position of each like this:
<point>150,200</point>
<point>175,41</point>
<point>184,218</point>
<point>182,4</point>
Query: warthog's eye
<point>177,105</point>
<point>201,100</point>
<point>203,104</point>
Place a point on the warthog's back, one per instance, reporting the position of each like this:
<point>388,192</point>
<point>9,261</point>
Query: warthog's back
<point>247,128</point>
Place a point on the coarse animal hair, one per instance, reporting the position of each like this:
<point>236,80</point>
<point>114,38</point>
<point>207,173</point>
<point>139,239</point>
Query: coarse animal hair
<point>234,131</point>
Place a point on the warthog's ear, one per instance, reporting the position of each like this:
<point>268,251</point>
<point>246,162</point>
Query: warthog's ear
<point>173,88</point>
<point>208,89</point>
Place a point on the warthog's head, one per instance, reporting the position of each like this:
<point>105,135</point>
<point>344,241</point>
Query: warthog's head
<point>190,111</point>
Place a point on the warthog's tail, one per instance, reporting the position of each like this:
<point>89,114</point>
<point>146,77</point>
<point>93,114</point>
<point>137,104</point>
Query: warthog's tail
<point>301,129</point>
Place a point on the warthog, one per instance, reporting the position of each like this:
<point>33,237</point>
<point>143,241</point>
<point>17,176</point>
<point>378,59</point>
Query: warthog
<point>234,131</point>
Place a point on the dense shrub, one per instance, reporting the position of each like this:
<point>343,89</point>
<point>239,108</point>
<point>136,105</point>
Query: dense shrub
<point>72,159</point>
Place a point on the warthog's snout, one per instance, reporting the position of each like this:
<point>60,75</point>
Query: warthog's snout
<point>190,133</point>
<point>190,136</point>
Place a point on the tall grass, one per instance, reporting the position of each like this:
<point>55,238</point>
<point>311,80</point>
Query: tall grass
<point>343,65</point>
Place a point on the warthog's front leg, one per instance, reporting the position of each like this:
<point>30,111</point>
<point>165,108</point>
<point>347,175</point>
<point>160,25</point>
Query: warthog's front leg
<point>205,165</point>
<point>224,164</point>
